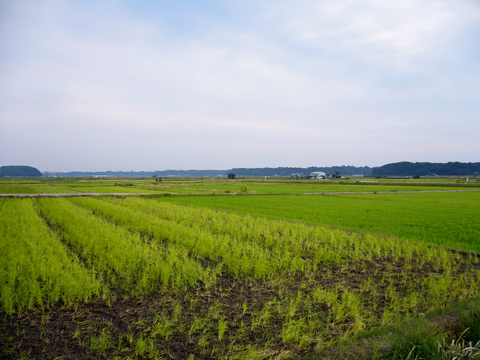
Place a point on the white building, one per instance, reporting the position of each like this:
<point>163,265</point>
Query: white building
<point>318,175</point>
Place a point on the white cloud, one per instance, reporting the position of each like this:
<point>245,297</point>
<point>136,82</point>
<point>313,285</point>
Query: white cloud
<point>399,30</point>
<point>279,80</point>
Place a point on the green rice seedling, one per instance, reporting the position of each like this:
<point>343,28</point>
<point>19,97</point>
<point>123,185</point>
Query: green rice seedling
<point>198,325</point>
<point>329,297</point>
<point>205,340</point>
<point>367,285</point>
<point>242,332</point>
<point>244,307</point>
<point>177,312</point>
<point>266,313</point>
<point>293,331</point>
<point>162,328</point>
<point>222,327</point>
<point>388,317</point>
<point>126,340</point>
<point>141,346</point>
<point>100,343</point>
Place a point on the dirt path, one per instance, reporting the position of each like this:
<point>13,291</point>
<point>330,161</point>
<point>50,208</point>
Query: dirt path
<point>66,195</point>
<point>391,192</point>
<point>70,195</point>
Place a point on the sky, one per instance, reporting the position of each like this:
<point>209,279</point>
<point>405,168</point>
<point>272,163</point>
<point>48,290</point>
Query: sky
<point>153,85</point>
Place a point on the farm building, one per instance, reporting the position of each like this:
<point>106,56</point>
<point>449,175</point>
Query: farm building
<point>318,175</point>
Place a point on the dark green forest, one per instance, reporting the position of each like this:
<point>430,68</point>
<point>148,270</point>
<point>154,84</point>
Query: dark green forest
<point>19,171</point>
<point>406,168</point>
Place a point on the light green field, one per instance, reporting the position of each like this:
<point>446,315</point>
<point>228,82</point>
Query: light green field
<point>447,219</point>
<point>221,186</point>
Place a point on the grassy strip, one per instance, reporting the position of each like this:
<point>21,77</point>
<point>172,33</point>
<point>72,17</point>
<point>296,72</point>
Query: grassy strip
<point>440,334</point>
<point>35,268</point>
<point>217,186</point>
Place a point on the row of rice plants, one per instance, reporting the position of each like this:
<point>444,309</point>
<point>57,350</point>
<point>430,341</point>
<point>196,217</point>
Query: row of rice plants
<point>124,259</point>
<point>396,261</point>
<point>324,246</point>
<point>241,257</point>
<point>446,219</point>
<point>51,189</point>
<point>321,244</point>
<point>272,235</point>
<point>16,189</point>
<point>35,268</point>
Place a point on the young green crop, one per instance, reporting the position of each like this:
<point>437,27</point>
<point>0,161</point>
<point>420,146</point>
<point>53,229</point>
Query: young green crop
<point>6,188</point>
<point>447,219</point>
<point>305,241</point>
<point>223,281</point>
<point>124,259</point>
<point>36,269</point>
<point>240,256</point>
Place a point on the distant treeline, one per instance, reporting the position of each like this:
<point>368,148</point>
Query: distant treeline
<point>288,171</point>
<point>161,173</point>
<point>425,168</point>
<point>280,171</point>
<point>396,169</point>
<point>19,171</point>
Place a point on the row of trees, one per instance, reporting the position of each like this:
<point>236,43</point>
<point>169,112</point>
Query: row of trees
<point>426,168</point>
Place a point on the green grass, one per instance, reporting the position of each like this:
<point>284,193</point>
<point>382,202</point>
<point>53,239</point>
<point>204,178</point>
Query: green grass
<point>299,187</point>
<point>221,186</point>
<point>447,219</point>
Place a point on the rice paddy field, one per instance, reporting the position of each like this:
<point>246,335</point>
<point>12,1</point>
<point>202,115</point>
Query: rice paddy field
<point>270,273</point>
<point>449,219</point>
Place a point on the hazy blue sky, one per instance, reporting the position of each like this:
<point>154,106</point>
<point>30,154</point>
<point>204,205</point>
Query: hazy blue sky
<point>146,85</point>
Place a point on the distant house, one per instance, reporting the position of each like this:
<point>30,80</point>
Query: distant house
<point>317,175</point>
<point>296,175</point>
